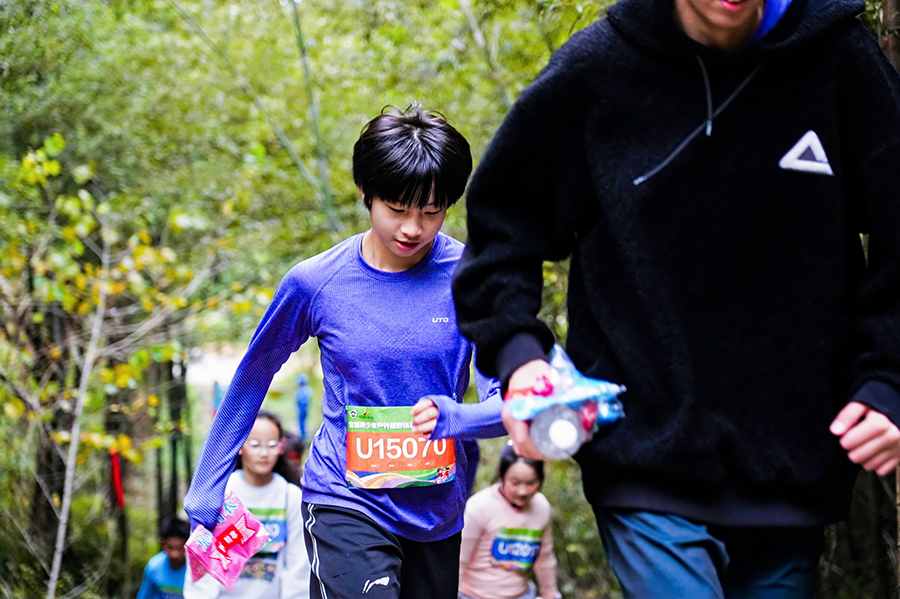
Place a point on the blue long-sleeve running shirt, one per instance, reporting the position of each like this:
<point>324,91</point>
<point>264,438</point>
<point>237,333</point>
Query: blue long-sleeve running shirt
<point>386,339</point>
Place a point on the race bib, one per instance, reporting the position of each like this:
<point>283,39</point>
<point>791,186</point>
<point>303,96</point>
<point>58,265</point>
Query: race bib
<point>516,548</point>
<point>264,565</point>
<point>258,568</point>
<point>383,452</point>
<point>275,521</point>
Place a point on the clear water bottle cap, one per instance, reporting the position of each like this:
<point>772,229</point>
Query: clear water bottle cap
<point>563,434</point>
<point>557,432</point>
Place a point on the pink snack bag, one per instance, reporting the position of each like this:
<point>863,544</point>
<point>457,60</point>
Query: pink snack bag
<point>224,551</point>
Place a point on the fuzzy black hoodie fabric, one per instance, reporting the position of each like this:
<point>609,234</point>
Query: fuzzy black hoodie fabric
<point>712,206</point>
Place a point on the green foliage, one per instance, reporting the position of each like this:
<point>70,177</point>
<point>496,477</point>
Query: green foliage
<point>160,130</point>
<point>53,281</point>
<point>150,126</point>
<point>22,573</point>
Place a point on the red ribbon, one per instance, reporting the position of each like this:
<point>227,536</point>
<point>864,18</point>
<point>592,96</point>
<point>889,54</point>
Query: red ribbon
<point>117,478</point>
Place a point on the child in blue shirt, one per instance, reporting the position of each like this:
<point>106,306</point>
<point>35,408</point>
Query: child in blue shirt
<point>164,572</point>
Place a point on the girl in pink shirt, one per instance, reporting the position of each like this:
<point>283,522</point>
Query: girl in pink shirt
<point>507,534</point>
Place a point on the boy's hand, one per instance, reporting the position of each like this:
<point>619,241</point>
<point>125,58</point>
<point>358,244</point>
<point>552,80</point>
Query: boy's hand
<point>424,415</point>
<point>870,439</point>
<point>523,380</point>
<point>520,435</point>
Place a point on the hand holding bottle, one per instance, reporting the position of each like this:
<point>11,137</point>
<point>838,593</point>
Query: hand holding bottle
<point>564,407</point>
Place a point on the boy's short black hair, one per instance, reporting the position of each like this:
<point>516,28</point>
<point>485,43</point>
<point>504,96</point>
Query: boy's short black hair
<point>174,528</point>
<point>401,156</point>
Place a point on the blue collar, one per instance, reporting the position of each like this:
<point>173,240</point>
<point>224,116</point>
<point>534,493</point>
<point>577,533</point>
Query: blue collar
<point>772,12</point>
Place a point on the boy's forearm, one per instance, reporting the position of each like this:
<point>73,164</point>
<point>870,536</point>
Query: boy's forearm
<point>468,421</point>
<point>232,424</point>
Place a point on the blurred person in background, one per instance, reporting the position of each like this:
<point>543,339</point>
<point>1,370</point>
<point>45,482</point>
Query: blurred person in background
<point>508,535</point>
<point>165,572</point>
<point>302,396</point>
<point>294,449</point>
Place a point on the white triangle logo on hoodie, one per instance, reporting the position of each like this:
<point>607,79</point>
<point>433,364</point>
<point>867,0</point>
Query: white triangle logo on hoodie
<point>807,156</point>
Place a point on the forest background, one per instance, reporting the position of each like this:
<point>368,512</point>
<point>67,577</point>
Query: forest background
<point>162,165</point>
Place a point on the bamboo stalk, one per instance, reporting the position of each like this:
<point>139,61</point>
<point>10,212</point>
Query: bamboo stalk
<point>327,206</point>
<point>321,152</point>
<point>890,30</point>
<point>478,36</point>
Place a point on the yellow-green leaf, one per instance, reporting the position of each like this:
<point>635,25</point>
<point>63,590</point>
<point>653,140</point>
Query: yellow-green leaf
<point>82,173</point>
<point>14,407</point>
<point>54,144</point>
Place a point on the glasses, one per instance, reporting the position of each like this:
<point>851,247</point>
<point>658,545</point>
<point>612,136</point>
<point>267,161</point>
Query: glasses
<point>258,446</point>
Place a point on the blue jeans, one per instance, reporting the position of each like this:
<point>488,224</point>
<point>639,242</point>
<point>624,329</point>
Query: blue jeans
<point>658,556</point>
<point>302,408</point>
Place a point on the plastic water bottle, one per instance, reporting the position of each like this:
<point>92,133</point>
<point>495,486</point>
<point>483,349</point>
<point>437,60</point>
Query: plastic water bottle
<point>566,407</point>
<point>558,432</point>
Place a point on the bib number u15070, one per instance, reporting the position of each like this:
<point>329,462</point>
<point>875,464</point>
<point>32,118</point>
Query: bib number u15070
<point>383,452</point>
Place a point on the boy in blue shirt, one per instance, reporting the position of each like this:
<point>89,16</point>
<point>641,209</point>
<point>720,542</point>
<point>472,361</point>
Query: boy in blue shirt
<point>384,486</point>
<point>164,573</point>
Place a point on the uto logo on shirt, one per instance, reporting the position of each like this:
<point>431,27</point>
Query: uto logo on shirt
<point>516,548</point>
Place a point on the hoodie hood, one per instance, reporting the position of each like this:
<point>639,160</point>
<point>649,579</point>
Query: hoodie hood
<point>651,24</point>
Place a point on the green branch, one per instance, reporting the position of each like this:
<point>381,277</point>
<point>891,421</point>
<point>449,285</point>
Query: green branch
<point>324,200</point>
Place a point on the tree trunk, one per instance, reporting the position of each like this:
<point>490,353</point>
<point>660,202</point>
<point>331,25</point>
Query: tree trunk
<point>117,423</point>
<point>174,381</point>
<point>50,468</point>
<point>178,410</point>
<point>49,474</point>
<point>186,436</point>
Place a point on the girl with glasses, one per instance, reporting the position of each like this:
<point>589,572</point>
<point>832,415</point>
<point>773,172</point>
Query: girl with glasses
<point>266,483</point>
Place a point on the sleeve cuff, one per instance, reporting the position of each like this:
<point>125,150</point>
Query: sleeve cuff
<point>520,349</point>
<point>447,411</point>
<point>467,421</point>
<point>881,397</point>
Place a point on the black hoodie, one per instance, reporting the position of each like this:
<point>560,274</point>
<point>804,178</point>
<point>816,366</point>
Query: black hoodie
<point>712,205</point>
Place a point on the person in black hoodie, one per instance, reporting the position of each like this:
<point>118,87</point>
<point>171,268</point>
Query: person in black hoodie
<point>709,166</point>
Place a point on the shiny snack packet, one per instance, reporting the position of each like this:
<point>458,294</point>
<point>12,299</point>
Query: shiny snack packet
<point>567,411</point>
<point>223,552</point>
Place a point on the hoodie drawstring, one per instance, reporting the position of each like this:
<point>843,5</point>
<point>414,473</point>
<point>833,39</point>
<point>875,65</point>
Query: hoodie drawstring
<point>706,125</point>
<point>709,106</point>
